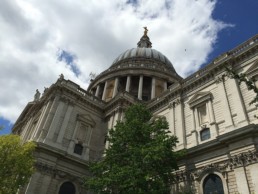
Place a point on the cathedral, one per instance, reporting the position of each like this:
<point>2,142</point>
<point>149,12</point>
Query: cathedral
<point>209,112</point>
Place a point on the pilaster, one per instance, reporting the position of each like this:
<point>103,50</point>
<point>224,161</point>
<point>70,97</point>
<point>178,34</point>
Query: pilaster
<point>33,183</point>
<point>224,103</point>
<point>54,123</point>
<point>41,120</point>
<point>65,123</point>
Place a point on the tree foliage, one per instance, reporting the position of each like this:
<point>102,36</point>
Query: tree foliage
<point>140,156</point>
<point>250,83</point>
<point>16,161</point>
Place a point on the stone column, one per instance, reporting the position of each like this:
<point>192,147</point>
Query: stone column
<point>179,127</point>
<point>238,100</point>
<point>115,87</point>
<point>195,133</point>
<point>140,88</point>
<point>225,104</point>
<point>171,118</point>
<point>48,119</point>
<point>153,87</point>
<point>115,118</point>
<point>33,183</point>
<point>128,83</point>
<point>26,129</point>
<point>64,124</point>
<point>41,120</point>
<point>97,91</point>
<point>54,123</point>
<point>72,142</point>
<point>196,118</point>
<point>45,184</point>
<point>211,112</point>
<point>165,85</point>
<point>254,176</point>
<point>104,92</point>
<point>242,183</point>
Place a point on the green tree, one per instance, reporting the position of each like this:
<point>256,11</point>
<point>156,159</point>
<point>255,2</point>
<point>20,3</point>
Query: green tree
<point>140,156</point>
<point>16,163</point>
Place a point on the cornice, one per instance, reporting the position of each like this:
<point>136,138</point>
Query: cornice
<point>208,73</point>
<point>80,95</point>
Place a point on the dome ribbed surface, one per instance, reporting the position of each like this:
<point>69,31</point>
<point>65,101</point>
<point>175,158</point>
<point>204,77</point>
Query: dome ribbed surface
<point>148,53</point>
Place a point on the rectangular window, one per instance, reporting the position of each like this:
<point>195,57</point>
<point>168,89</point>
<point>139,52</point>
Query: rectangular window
<point>205,134</point>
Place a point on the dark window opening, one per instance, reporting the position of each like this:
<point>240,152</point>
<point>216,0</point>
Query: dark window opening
<point>213,184</point>
<point>134,86</point>
<point>146,88</point>
<point>145,98</point>
<point>205,134</point>
<point>78,148</point>
<point>67,188</point>
<point>122,84</point>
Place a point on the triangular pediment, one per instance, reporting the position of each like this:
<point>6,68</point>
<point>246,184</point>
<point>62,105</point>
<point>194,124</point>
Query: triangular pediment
<point>86,118</point>
<point>199,98</point>
<point>253,70</point>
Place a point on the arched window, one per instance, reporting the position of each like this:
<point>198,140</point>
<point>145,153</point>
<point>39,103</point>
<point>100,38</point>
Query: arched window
<point>67,188</point>
<point>78,149</point>
<point>213,184</point>
<point>205,134</point>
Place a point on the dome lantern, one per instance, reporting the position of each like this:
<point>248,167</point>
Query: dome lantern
<point>145,40</point>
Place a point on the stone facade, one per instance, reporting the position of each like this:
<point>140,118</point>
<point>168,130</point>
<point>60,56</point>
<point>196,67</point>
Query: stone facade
<point>208,112</point>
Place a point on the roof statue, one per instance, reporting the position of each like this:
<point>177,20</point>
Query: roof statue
<point>145,31</point>
<point>145,40</point>
<point>61,76</point>
<point>37,95</point>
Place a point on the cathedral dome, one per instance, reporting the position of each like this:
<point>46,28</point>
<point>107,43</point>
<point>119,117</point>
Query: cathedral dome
<point>143,72</point>
<point>141,54</point>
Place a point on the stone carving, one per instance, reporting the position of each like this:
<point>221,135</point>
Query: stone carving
<point>45,169</point>
<point>243,159</point>
<point>145,31</point>
<point>37,95</point>
<point>45,89</point>
<point>61,76</point>
<point>217,167</point>
<point>181,176</point>
<point>50,170</point>
<point>174,103</point>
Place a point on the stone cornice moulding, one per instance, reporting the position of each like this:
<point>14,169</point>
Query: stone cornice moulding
<point>199,98</point>
<point>86,118</point>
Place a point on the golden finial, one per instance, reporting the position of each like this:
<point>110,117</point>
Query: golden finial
<point>145,31</point>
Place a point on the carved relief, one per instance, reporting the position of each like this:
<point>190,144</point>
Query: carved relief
<point>243,159</point>
<point>174,103</point>
<point>54,172</point>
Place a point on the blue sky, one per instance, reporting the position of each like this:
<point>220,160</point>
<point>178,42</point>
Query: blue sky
<point>243,15</point>
<point>41,40</point>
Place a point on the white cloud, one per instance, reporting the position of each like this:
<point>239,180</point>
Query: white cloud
<point>96,32</point>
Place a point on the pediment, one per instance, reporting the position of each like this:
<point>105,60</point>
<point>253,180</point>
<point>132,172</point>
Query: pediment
<point>199,98</point>
<point>86,118</point>
<point>253,70</point>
